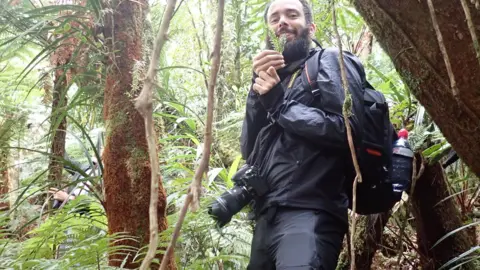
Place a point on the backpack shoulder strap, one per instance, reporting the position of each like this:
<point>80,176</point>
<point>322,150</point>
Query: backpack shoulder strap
<point>309,76</point>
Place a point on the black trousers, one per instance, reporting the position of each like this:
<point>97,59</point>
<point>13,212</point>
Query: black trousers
<point>300,239</point>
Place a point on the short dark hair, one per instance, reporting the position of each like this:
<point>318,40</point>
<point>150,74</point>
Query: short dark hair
<point>307,10</point>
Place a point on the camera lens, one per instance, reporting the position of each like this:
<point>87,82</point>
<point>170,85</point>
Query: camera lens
<point>229,203</point>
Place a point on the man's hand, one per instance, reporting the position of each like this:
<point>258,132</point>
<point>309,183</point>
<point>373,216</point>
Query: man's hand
<point>266,81</point>
<point>59,195</point>
<point>266,59</point>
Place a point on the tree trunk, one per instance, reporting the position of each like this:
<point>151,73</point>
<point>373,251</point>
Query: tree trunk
<point>367,237</point>
<point>57,149</point>
<point>4,179</point>
<point>127,167</point>
<point>363,48</point>
<point>434,221</point>
<point>404,29</point>
<point>62,79</point>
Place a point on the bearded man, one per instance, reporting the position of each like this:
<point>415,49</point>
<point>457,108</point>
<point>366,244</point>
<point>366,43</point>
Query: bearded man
<point>296,138</point>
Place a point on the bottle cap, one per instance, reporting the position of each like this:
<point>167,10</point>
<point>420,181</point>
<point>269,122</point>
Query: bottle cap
<point>403,133</point>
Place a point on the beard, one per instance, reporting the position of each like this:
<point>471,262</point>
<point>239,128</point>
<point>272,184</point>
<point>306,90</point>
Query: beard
<point>295,49</point>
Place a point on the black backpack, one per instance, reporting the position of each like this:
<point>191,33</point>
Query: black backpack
<point>374,153</point>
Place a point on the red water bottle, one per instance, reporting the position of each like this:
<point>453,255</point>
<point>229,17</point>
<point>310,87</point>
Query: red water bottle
<point>402,163</point>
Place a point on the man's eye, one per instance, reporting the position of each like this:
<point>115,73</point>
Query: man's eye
<point>293,15</point>
<point>274,20</point>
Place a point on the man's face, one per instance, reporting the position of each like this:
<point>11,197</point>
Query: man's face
<point>286,17</point>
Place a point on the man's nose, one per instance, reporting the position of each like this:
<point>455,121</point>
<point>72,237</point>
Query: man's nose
<point>282,22</point>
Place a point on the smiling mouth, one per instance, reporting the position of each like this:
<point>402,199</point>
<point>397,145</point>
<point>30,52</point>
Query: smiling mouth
<point>289,36</point>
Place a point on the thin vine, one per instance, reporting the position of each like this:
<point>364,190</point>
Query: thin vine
<point>144,105</point>
<point>194,190</point>
<point>347,111</point>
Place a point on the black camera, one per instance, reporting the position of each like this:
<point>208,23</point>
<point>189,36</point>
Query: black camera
<point>248,185</point>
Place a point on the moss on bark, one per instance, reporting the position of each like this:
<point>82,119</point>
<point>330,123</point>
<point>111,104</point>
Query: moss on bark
<point>127,167</point>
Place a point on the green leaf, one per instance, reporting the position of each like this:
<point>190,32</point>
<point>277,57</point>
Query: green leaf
<point>459,257</point>
<point>440,153</point>
<point>67,27</point>
<point>212,174</point>
<point>431,149</point>
<point>476,258</point>
<point>454,232</point>
<point>233,170</point>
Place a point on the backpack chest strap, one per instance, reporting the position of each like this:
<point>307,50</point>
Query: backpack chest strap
<point>292,79</point>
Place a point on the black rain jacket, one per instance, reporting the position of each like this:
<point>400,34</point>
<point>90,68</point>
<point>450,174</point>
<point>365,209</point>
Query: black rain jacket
<point>302,135</point>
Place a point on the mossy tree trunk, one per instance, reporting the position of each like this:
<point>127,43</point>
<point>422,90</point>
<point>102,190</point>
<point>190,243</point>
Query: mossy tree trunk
<point>63,73</point>
<point>434,219</point>
<point>127,166</point>
<point>368,235</point>
<point>404,29</point>
<point>58,123</point>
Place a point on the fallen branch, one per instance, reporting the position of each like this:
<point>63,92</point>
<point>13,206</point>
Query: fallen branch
<point>144,105</point>
<point>446,59</point>
<point>346,110</point>
<point>194,191</point>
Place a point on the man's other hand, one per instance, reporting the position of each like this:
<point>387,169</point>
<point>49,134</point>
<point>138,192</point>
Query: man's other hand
<point>266,59</point>
<point>266,81</point>
<point>59,195</point>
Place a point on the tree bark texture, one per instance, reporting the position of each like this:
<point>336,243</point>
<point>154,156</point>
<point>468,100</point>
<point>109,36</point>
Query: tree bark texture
<point>363,48</point>
<point>367,238</point>
<point>434,221</point>
<point>4,179</point>
<point>62,78</point>
<point>127,170</point>
<point>57,149</point>
<point>404,29</point>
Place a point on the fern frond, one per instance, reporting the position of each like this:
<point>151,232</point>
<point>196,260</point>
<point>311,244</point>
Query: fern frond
<point>277,42</point>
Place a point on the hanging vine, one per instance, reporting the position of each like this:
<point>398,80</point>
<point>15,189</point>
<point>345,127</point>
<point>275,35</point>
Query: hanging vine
<point>347,111</point>
<point>194,191</point>
<point>144,104</point>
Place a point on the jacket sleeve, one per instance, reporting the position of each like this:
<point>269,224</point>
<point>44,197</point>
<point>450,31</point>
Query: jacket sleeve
<point>319,118</point>
<point>255,119</point>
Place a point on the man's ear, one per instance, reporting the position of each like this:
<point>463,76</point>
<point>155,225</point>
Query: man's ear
<point>312,29</point>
